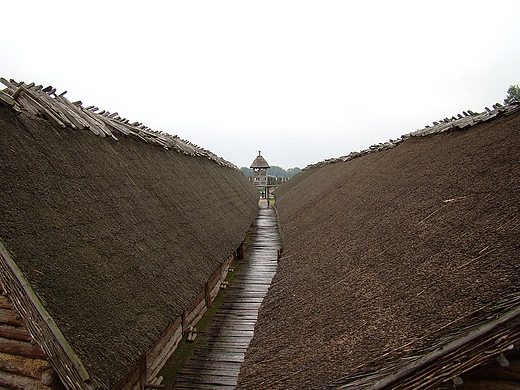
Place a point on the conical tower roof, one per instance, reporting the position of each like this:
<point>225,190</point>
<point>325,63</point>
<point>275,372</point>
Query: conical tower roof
<point>259,162</point>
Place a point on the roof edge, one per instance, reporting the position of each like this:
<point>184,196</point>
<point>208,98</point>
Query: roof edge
<point>45,102</point>
<point>25,300</point>
<point>407,371</point>
<point>461,122</point>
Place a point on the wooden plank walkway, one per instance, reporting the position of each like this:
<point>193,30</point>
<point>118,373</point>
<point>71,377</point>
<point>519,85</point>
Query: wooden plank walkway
<point>215,365</point>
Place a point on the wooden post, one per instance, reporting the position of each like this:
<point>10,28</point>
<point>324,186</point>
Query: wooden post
<point>240,251</point>
<point>142,372</point>
<point>207,295</point>
<point>183,318</point>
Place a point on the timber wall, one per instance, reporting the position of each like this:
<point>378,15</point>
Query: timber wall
<point>167,344</point>
<point>23,364</point>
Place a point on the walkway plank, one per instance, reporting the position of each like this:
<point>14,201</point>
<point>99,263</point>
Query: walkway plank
<point>216,364</point>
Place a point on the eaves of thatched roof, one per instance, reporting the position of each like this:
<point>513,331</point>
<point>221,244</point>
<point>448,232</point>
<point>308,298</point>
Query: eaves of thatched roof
<point>459,122</point>
<point>108,230</point>
<point>400,265</point>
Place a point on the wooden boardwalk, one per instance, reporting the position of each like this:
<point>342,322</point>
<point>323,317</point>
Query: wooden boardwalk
<point>215,365</point>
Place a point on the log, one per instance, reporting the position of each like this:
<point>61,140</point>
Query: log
<point>20,382</point>
<point>192,334</point>
<point>10,317</point>
<point>7,99</point>
<point>21,348</point>
<point>50,378</point>
<point>15,332</point>
<point>4,302</point>
<point>207,294</point>
<point>34,368</point>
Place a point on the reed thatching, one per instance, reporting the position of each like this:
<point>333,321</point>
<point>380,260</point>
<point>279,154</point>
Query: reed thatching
<point>393,256</point>
<point>116,234</point>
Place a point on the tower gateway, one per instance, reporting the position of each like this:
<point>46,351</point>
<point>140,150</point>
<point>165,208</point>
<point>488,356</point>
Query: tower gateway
<point>259,178</point>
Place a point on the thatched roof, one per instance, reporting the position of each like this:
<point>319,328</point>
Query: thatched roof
<point>259,162</point>
<point>395,255</point>
<point>115,235</point>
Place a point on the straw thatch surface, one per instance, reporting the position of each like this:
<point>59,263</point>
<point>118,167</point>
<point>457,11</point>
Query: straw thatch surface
<point>390,254</point>
<point>116,238</point>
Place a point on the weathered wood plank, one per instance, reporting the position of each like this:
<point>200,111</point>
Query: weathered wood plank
<point>209,379</point>
<point>216,364</point>
<point>199,386</point>
<point>197,365</point>
<point>230,326</point>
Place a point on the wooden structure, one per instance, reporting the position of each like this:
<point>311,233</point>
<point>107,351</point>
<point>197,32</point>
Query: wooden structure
<point>114,240</point>
<point>216,363</point>
<point>400,266</point>
<point>260,178</point>
<point>23,364</point>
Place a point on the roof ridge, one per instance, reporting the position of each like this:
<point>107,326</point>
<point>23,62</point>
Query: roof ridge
<point>468,119</point>
<point>45,102</point>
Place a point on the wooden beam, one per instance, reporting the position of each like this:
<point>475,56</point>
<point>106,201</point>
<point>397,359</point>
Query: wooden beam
<point>10,317</point>
<point>154,386</point>
<point>21,348</point>
<point>7,99</point>
<point>4,302</point>
<point>207,294</point>
<point>15,332</point>
<point>15,381</point>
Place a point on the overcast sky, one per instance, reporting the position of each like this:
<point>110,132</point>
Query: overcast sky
<point>301,81</point>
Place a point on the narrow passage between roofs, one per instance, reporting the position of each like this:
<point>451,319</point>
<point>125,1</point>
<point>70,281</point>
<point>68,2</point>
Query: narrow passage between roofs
<point>216,362</point>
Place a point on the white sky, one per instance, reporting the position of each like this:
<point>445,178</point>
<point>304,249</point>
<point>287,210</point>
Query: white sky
<point>300,80</point>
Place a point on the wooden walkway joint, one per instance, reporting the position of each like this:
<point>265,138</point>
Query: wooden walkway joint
<point>216,364</point>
